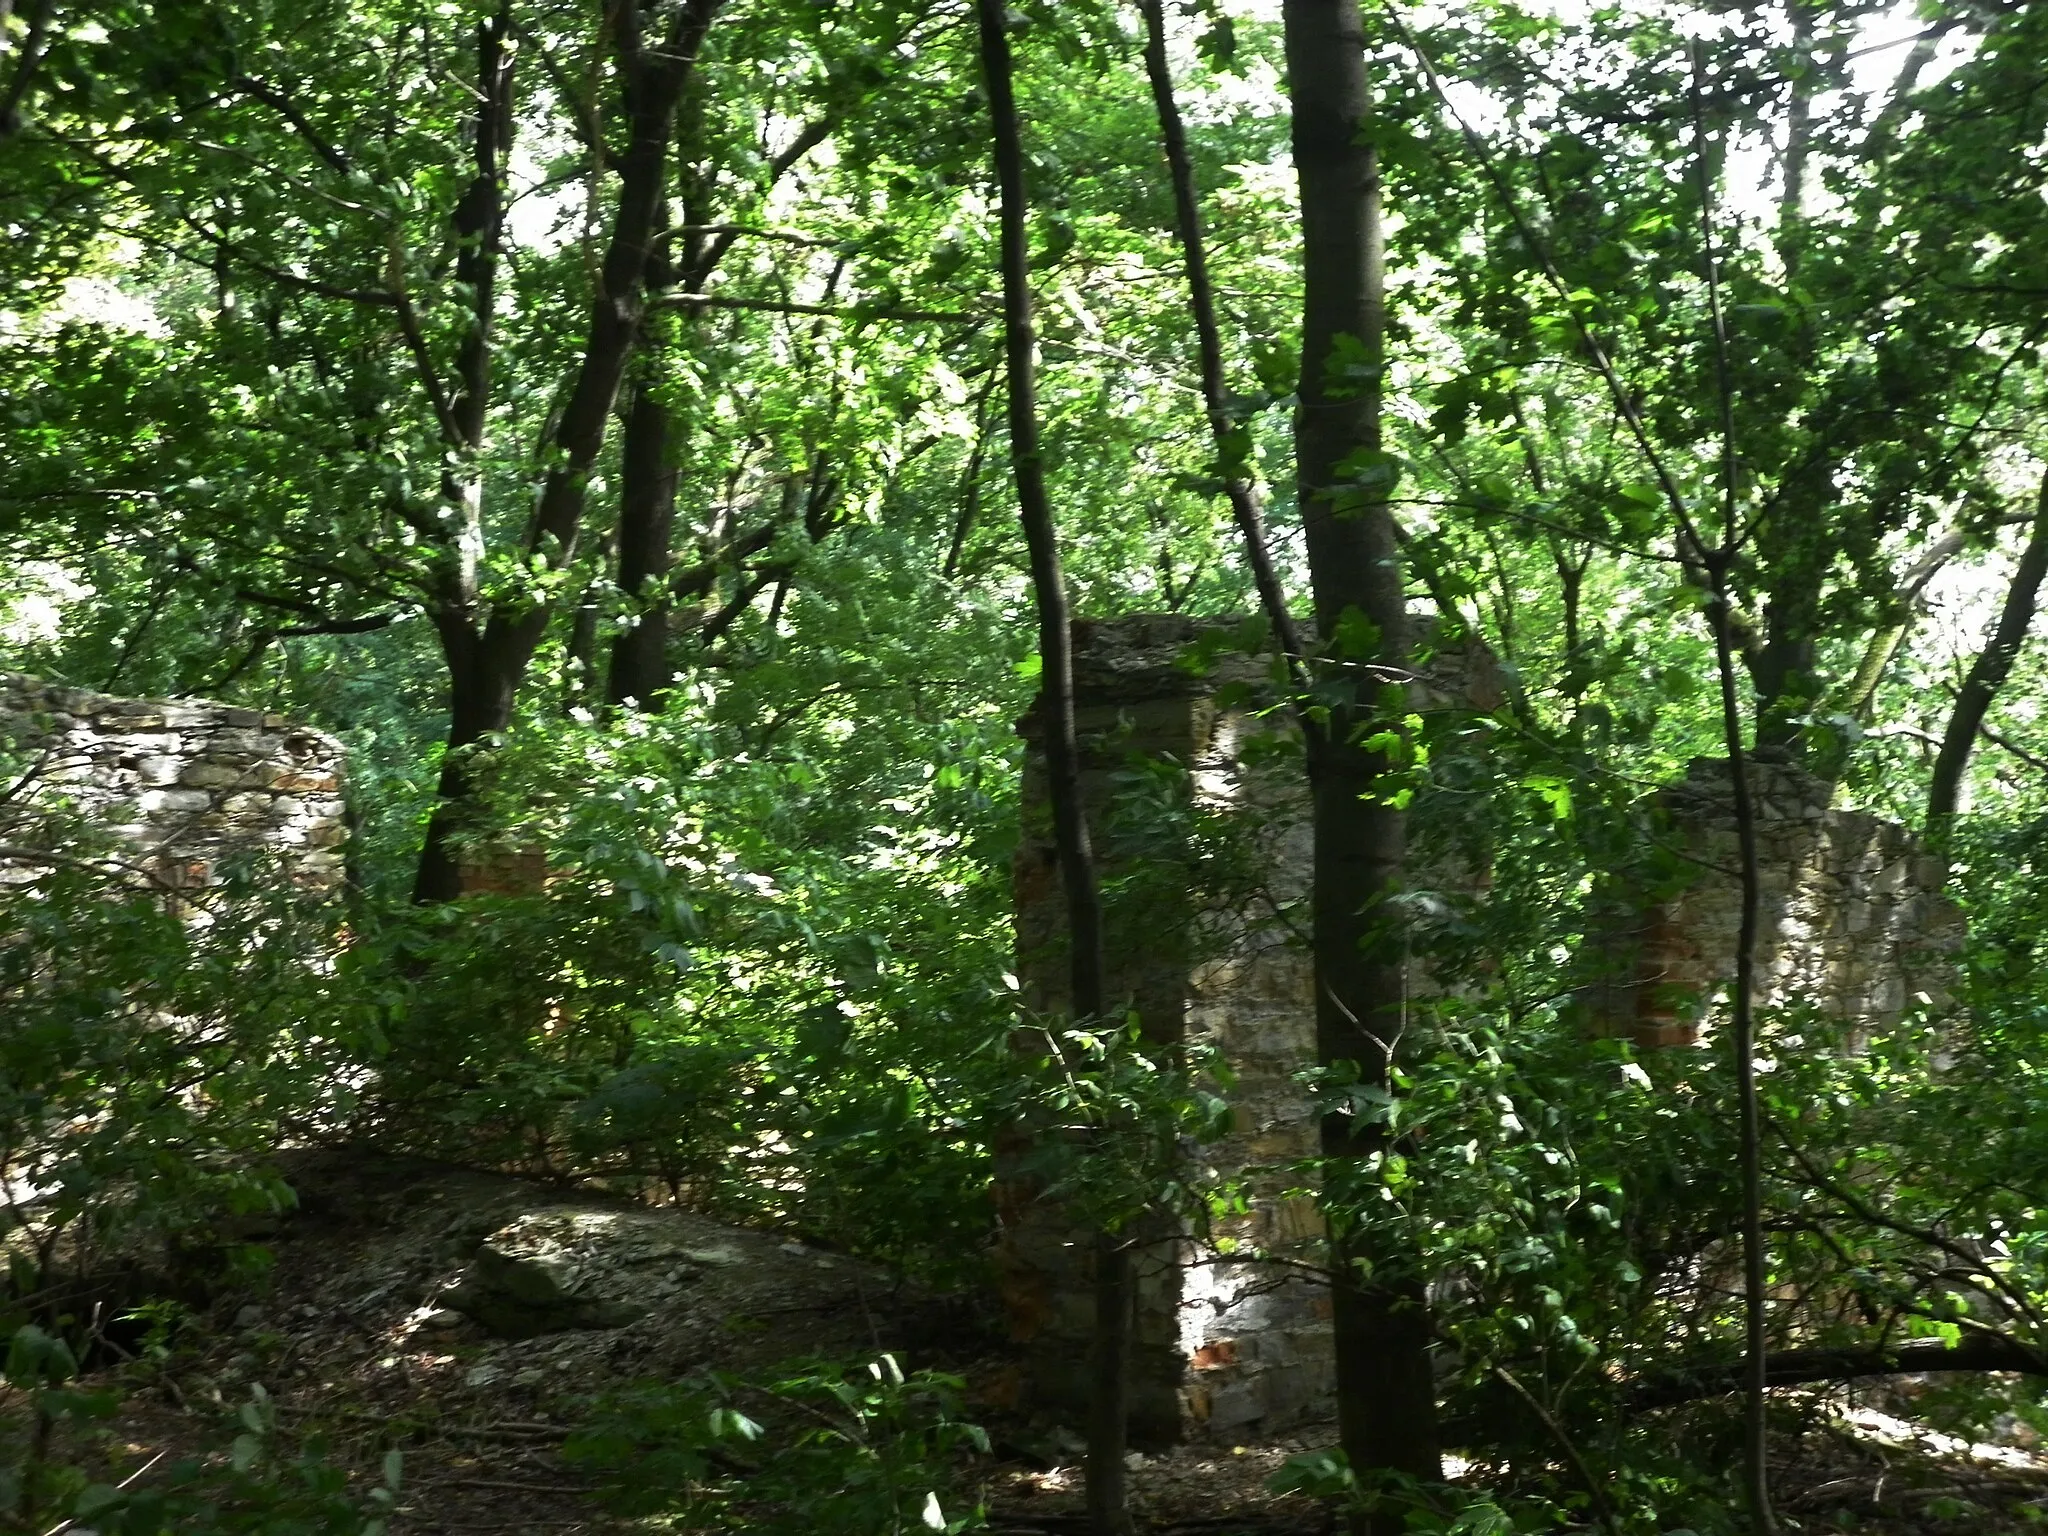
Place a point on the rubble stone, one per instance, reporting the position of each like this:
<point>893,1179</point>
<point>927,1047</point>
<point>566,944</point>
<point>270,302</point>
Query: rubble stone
<point>192,784</point>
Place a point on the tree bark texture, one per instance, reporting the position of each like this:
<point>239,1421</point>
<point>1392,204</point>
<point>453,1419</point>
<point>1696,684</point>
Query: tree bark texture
<point>478,704</point>
<point>1232,442</point>
<point>640,673</point>
<point>1386,1400</point>
<point>1797,1367</point>
<point>1721,618</point>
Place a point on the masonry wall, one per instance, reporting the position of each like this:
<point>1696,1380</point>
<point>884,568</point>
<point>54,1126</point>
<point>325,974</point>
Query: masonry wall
<point>1224,1346</point>
<point>1232,1336</point>
<point>187,785</point>
<point>1853,922</point>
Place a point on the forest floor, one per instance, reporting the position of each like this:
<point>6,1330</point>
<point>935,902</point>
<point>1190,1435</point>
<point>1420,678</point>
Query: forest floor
<point>346,1342</point>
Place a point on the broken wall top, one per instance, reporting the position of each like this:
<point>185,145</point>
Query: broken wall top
<point>1139,658</point>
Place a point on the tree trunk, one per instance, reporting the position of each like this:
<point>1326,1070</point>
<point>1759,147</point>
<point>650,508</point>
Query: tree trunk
<point>1797,1367</point>
<point>640,672</point>
<point>486,668</point>
<point>1233,443</point>
<point>1742,1031</point>
<point>1109,1405</point>
<point>1988,673</point>
<point>1386,1402</point>
<point>20,72</point>
<point>478,704</point>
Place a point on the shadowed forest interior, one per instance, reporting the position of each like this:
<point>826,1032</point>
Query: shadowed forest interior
<point>1088,766</point>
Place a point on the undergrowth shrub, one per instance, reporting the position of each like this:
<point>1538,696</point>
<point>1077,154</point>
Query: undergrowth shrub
<point>56,1466</point>
<point>819,1449</point>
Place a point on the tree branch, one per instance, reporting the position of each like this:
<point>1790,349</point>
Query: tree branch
<point>286,108</point>
<point>856,312</point>
<point>1990,670</point>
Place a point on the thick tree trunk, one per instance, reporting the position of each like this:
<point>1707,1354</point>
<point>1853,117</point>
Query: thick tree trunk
<point>640,671</point>
<point>1989,672</point>
<point>481,696</point>
<point>479,704</point>
<point>484,688</point>
<point>1386,1401</point>
<point>1109,1406</point>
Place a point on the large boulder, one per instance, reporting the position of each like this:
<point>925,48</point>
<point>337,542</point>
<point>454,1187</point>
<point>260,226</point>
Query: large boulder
<point>580,1267</point>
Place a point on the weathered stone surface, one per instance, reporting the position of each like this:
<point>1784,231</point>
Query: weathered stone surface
<point>565,1269</point>
<point>1854,925</point>
<point>193,785</point>
<point>595,1291</point>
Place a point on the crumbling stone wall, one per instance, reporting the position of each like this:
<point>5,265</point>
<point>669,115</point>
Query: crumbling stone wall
<point>1232,1334</point>
<point>186,784</point>
<point>1853,921</point>
<point>1230,1338</point>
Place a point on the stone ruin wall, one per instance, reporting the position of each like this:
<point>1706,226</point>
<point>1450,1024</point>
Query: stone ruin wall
<point>1852,919</point>
<point>1222,1346</point>
<point>189,786</point>
<point>1225,1347</point>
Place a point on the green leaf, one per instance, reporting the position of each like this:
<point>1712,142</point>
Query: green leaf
<point>94,1498</point>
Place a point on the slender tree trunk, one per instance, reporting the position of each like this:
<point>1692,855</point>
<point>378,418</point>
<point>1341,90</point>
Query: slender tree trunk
<point>1721,618</point>
<point>1386,1402</point>
<point>1793,548</point>
<point>1233,441</point>
<point>478,704</point>
<point>1988,673</point>
<point>18,74</point>
<point>1109,1404</point>
<point>1743,1045</point>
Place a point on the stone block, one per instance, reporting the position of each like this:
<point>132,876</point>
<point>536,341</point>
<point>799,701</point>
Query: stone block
<point>159,769</point>
<point>294,781</point>
<point>174,800</point>
<point>209,775</point>
<point>131,715</point>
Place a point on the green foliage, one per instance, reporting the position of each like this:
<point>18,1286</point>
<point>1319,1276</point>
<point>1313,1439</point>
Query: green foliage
<point>849,1450</point>
<point>248,1489</point>
<point>768,973</point>
<point>156,1055</point>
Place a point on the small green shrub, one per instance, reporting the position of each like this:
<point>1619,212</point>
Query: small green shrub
<point>830,1449</point>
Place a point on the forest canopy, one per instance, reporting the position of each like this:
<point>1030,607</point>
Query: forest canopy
<point>669,445</point>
